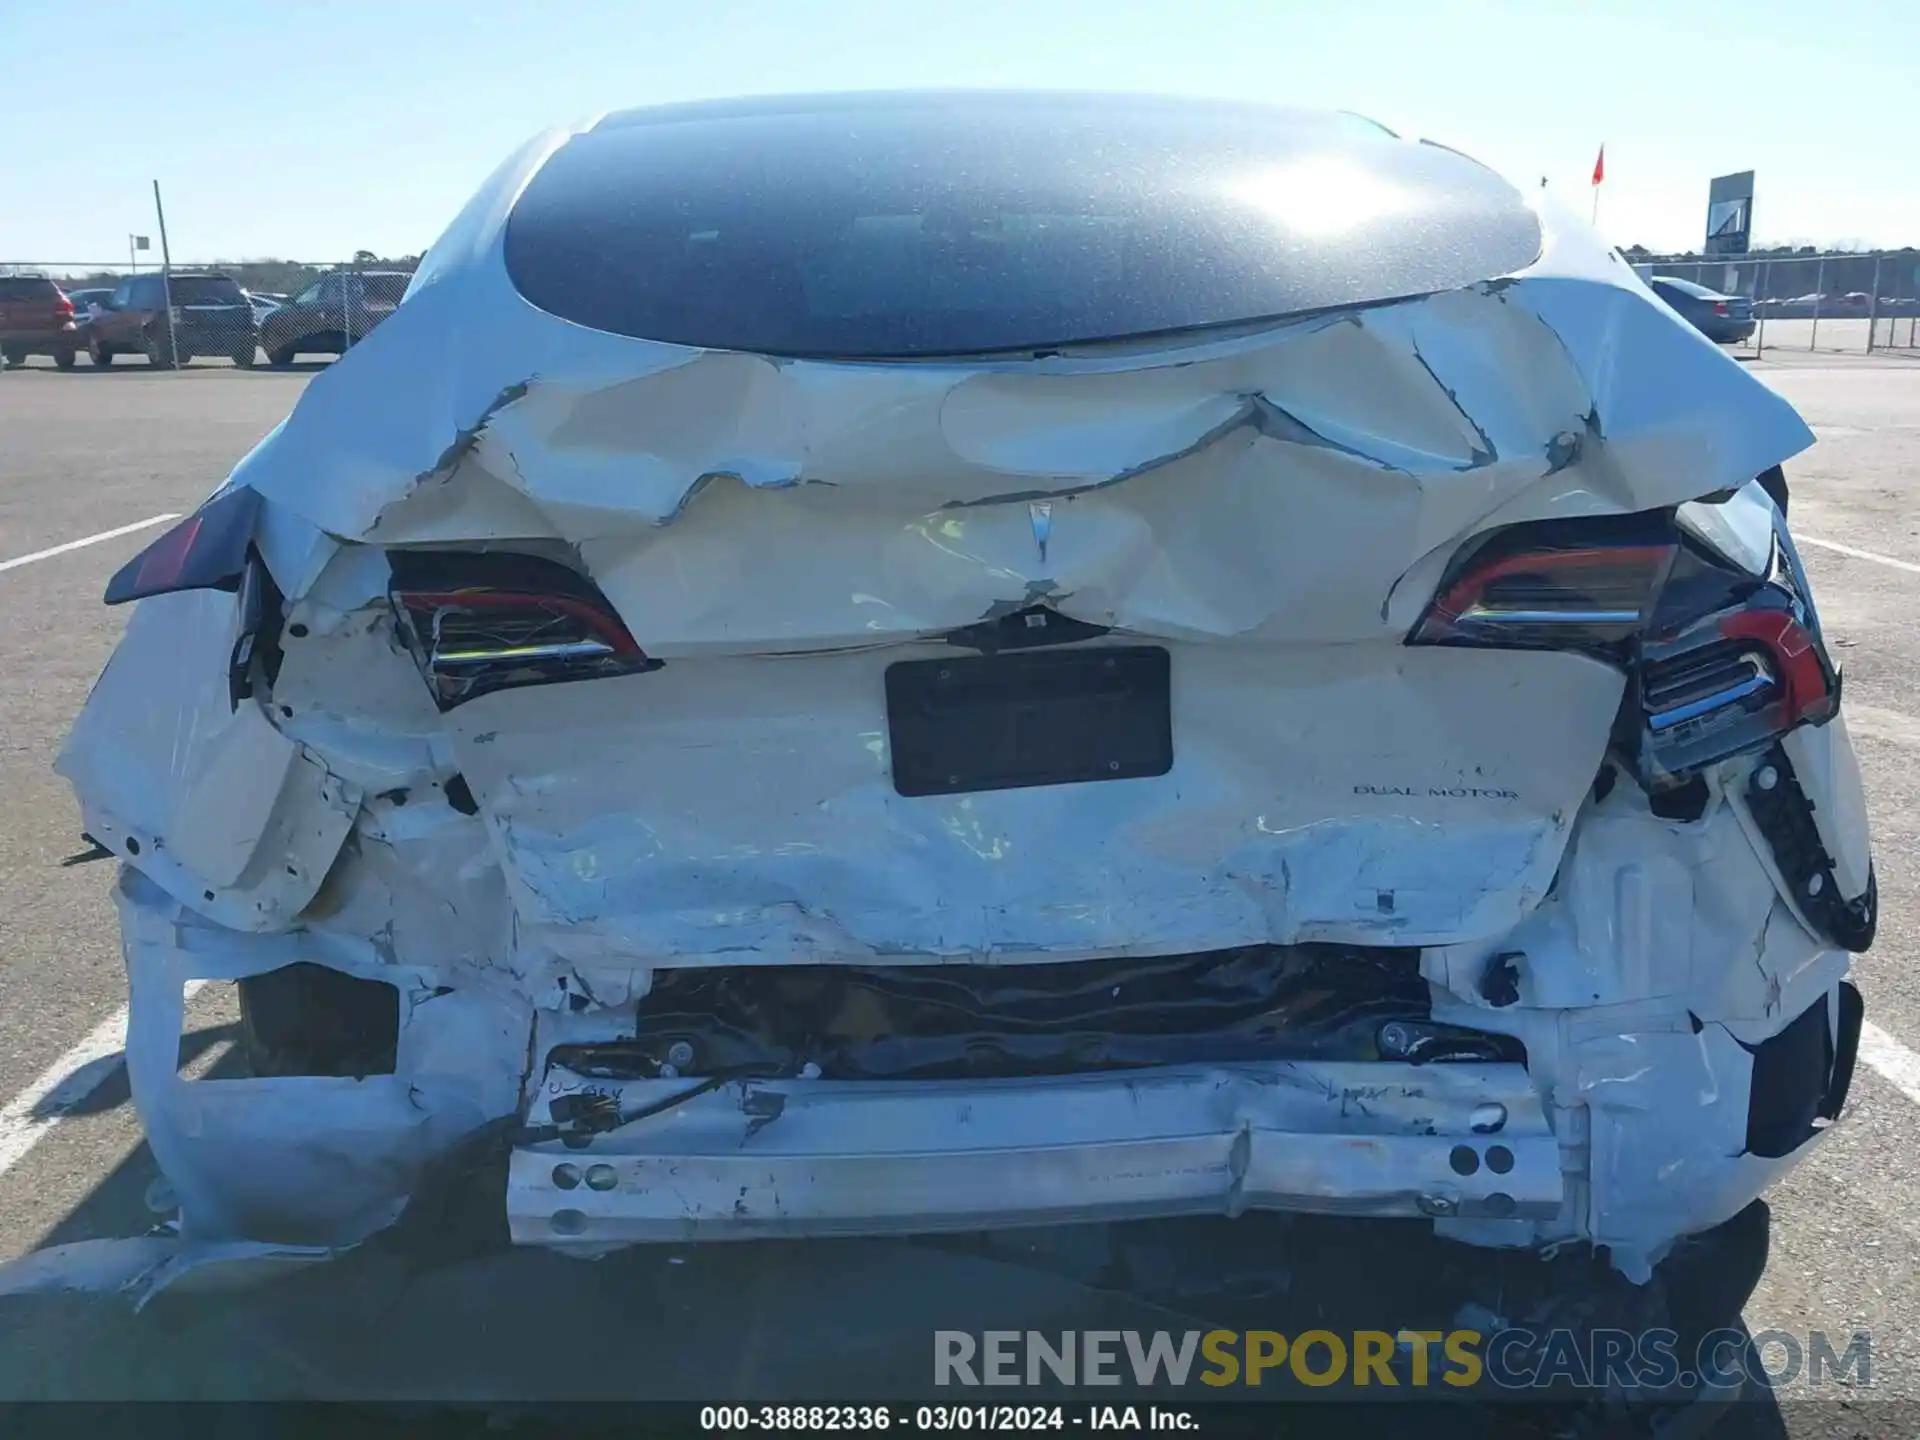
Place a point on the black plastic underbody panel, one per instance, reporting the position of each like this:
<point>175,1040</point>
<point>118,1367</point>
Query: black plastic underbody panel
<point>1785,817</point>
<point>1793,1074</point>
<point>1852,1016</point>
<point>1043,717</point>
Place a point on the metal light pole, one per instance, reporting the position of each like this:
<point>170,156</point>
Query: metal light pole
<point>166,278</point>
<point>1819,291</point>
<point>1873,309</point>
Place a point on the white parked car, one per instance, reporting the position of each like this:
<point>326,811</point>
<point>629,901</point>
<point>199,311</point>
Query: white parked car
<point>898,663</point>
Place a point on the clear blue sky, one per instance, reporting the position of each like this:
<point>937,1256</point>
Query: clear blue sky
<point>307,129</point>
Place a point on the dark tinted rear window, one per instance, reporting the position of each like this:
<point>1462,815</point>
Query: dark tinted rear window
<point>14,287</point>
<point>385,289</point>
<point>901,225</point>
<point>206,290</point>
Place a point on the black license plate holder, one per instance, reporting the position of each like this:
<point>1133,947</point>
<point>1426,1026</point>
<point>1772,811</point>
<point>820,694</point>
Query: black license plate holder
<point>975,723</point>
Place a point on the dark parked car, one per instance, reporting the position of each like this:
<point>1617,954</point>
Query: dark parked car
<point>85,300</point>
<point>36,319</point>
<point>211,316</point>
<point>331,314</point>
<point>85,303</point>
<point>1724,319</point>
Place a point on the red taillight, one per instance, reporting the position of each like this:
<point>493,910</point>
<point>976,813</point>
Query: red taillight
<point>1729,683</point>
<point>1796,659</point>
<point>477,623</point>
<point>63,306</point>
<point>1557,597</point>
<point>495,625</point>
<point>1720,659</point>
<point>205,551</point>
<point>1720,308</point>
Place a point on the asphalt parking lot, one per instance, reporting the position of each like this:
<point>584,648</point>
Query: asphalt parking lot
<point>85,455</point>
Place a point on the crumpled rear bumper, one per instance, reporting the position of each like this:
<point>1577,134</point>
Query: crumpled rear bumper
<point>812,1157</point>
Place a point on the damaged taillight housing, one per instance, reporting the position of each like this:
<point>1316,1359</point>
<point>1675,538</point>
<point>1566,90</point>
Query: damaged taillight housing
<point>213,549</point>
<point>1555,585</point>
<point>1705,608</point>
<point>1730,682</point>
<point>477,622</point>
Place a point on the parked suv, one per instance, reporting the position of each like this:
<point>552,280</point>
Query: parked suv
<point>211,316</point>
<point>35,319</point>
<point>331,314</point>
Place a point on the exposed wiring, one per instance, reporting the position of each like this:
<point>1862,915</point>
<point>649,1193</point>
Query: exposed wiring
<point>581,1116</point>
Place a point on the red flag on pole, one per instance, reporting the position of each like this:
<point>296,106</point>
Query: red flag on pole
<point>1600,165</point>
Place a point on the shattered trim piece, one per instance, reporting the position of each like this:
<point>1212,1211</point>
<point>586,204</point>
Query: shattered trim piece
<point>138,1268</point>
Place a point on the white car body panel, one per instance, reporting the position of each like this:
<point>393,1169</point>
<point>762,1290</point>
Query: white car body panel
<point>229,814</point>
<point>1275,507</point>
<point>768,826</point>
<point>768,1158</point>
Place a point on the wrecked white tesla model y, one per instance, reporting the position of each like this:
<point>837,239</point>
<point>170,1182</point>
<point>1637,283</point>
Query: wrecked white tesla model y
<point>924,662</point>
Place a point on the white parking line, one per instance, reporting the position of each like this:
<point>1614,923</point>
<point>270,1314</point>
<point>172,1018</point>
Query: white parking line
<point>1839,549</point>
<point>63,1086</point>
<point>1891,1061</point>
<point>145,524</point>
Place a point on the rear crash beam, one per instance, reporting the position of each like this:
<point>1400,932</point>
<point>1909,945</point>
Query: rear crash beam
<point>756,1158</point>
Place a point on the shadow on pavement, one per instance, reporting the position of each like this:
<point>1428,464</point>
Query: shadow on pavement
<point>441,1310</point>
<point>833,1321</point>
<point>112,1091</point>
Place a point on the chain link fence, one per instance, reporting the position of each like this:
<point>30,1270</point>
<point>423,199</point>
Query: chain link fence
<point>285,312</point>
<point>273,312</point>
<point>1836,303</point>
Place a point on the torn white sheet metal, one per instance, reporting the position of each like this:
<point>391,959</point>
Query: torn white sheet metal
<point>743,810</point>
<point>140,1267</point>
<point>814,1157</point>
<point>304,1159</point>
<point>1276,506</point>
<point>1664,1140</point>
<point>88,1267</point>
<point>1673,918</point>
<point>1276,484</point>
<point>213,802</point>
